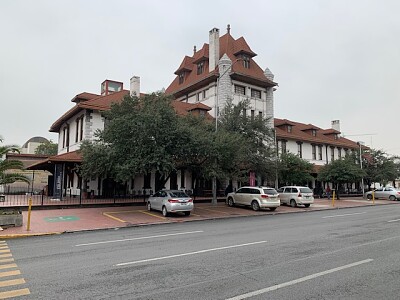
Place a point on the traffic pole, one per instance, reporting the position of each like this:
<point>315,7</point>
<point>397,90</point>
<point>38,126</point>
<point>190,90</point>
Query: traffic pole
<point>28,227</point>
<point>333,198</point>
<point>373,197</point>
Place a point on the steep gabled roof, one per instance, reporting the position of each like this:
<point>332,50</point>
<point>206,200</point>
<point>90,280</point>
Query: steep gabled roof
<point>323,136</point>
<point>232,48</point>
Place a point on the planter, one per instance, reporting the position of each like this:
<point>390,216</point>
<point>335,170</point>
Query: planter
<point>10,217</point>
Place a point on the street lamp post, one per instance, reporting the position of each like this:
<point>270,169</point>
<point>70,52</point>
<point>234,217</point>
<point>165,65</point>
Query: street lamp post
<point>361,166</point>
<point>229,68</point>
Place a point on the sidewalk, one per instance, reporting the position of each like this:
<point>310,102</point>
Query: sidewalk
<point>57,221</point>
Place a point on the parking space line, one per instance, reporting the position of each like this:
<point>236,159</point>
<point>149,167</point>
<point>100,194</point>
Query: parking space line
<point>150,214</point>
<point>213,210</point>
<point>6,260</point>
<point>5,251</point>
<point>188,253</point>
<point>299,280</point>
<point>5,255</point>
<point>10,273</point>
<point>114,218</point>
<point>9,266</point>
<point>14,293</point>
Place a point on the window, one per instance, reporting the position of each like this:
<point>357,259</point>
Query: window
<point>346,152</point>
<point>320,152</point>
<point>289,128</point>
<point>314,132</point>
<point>255,94</point>
<point>314,152</point>
<point>240,90</point>
<point>79,129</point>
<point>336,136</point>
<point>300,149</point>
<point>66,136</point>
<point>260,115</point>
<point>198,95</point>
<point>181,78</point>
<point>252,114</point>
<point>204,94</point>
<point>244,112</point>
<point>339,152</point>
<point>332,153</point>
<point>283,146</point>
<point>200,67</point>
<point>246,61</point>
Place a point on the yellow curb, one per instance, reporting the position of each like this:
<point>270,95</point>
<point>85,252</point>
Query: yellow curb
<point>20,235</point>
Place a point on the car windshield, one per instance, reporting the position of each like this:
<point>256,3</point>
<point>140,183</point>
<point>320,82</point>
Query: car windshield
<point>305,190</point>
<point>270,191</point>
<point>179,194</point>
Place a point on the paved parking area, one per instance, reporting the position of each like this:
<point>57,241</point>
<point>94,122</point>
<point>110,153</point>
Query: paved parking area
<point>57,221</point>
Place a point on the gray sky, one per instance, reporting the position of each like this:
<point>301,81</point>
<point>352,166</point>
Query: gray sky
<point>333,60</point>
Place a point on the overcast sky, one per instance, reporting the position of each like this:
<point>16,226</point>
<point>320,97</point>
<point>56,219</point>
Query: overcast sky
<point>333,60</point>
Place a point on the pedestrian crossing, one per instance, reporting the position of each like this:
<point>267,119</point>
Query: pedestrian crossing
<point>11,283</point>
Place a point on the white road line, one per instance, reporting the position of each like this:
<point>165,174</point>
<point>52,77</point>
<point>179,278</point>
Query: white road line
<point>188,253</point>
<point>302,279</point>
<point>397,220</point>
<point>345,215</point>
<point>140,238</point>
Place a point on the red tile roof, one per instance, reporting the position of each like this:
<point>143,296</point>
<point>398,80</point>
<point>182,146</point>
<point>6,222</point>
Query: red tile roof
<point>229,46</point>
<point>300,132</point>
<point>71,157</point>
<point>83,97</point>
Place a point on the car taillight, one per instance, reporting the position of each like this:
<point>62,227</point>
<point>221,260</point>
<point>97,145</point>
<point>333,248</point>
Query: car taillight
<point>299,195</point>
<point>173,201</point>
<point>398,192</point>
<point>264,196</point>
<point>190,200</point>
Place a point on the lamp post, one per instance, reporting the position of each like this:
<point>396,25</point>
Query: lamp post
<point>229,68</point>
<point>361,166</point>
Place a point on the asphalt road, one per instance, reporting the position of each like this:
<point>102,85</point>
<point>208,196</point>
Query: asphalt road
<point>336,254</point>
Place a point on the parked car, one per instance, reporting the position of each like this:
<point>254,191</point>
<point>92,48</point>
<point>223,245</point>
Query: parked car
<point>384,193</point>
<point>170,201</point>
<point>256,197</point>
<point>296,195</point>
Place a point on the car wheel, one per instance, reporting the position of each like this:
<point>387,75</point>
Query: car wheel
<point>230,202</point>
<point>148,206</point>
<point>272,208</point>
<point>369,196</point>
<point>306,205</point>
<point>392,198</point>
<point>164,211</point>
<point>187,213</point>
<point>293,203</point>
<point>255,206</point>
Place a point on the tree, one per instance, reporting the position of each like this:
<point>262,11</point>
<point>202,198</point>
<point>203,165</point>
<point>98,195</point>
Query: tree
<point>341,171</point>
<point>244,143</point>
<point>48,148</point>
<point>145,135</point>
<point>8,167</point>
<point>294,170</point>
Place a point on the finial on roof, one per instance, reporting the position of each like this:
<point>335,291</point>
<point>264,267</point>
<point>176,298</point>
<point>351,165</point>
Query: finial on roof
<point>194,49</point>
<point>228,29</point>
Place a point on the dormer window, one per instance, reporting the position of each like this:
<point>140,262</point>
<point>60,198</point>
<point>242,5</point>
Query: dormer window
<point>181,78</point>
<point>246,61</point>
<point>313,132</point>
<point>289,128</point>
<point>336,136</point>
<point>200,67</point>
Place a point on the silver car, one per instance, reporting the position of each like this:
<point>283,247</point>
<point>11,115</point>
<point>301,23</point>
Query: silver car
<point>256,197</point>
<point>384,193</point>
<point>295,195</point>
<point>170,201</point>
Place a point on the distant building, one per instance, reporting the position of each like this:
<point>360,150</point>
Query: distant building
<point>30,146</point>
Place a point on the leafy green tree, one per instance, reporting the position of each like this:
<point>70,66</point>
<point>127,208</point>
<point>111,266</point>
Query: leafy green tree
<point>341,171</point>
<point>48,148</point>
<point>9,167</point>
<point>244,143</point>
<point>294,170</point>
<point>143,135</point>
<point>379,167</point>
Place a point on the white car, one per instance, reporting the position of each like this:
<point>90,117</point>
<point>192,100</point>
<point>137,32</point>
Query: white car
<point>256,197</point>
<point>296,195</point>
<point>170,201</point>
<point>384,193</point>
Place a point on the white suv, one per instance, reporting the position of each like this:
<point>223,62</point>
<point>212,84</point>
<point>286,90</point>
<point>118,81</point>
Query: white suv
<point>256,197</point>
<point>295,195</point>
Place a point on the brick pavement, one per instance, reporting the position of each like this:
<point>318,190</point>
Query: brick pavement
<point>57,221</point>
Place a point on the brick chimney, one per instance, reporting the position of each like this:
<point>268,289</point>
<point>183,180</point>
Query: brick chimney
<point>213,49</point>
<point>135,86</point>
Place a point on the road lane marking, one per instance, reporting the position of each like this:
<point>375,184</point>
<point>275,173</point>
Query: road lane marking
<point>10,273</point>
<point>12,282</point>
<point>140,238</point>
<point>188,253</point>
<point>8,266</point>
<point>14,293</point>
<point>397,220</point>
<point>299,280</point>
<point>345,215</point>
